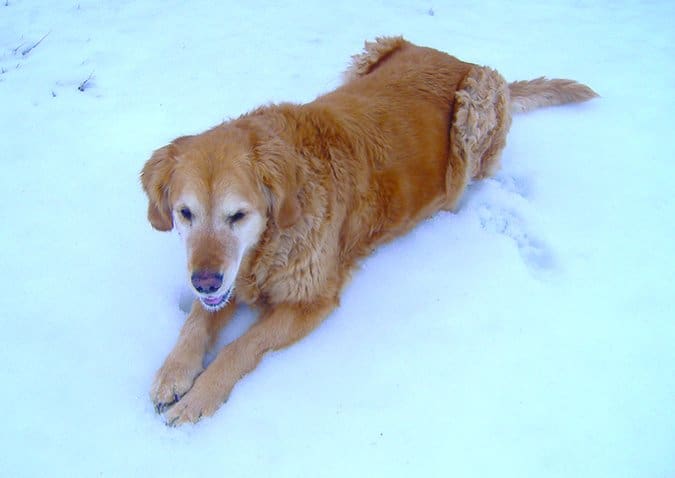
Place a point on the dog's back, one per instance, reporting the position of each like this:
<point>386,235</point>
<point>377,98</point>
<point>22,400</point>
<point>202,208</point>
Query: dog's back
<point>397,103</point>
<point>435,122</point>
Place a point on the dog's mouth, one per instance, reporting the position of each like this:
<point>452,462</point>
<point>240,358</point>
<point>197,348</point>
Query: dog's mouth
<point>215,302</point>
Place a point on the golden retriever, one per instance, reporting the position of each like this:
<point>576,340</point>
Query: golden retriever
<point>277,207</point>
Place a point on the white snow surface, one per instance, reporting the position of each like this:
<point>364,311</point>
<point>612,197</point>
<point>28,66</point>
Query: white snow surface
<point>531,334</point>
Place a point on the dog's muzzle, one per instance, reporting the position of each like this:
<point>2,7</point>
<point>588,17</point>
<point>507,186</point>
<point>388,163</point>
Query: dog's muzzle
<point>207,284</point>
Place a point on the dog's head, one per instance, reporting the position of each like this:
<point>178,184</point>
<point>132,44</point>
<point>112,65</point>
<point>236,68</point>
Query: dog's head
<point>221,190</point>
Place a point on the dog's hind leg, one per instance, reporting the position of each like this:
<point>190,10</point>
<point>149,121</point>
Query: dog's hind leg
<point>480,123</point>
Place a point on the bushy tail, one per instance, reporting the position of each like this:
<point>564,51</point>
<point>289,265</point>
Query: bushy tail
<point>541,92</point>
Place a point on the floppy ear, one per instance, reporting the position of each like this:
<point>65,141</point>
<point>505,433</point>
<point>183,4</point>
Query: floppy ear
<point>276,167</point>
<point>155,177</point>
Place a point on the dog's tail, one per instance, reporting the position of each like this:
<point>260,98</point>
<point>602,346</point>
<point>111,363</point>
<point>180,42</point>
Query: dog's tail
<point>531,94</point>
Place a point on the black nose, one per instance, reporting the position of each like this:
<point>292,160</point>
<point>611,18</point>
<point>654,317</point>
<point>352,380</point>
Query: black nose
<point>207,282</point>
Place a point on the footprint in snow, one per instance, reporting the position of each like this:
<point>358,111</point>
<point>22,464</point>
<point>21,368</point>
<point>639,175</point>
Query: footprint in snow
<point>534,251</point>
<point>518,185</point>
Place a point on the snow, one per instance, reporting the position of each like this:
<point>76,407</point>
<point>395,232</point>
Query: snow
<point>529,334</point>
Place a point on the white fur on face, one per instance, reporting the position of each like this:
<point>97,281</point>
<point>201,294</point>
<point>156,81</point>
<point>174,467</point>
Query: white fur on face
<point>232,222</point>
<point>182,225</point>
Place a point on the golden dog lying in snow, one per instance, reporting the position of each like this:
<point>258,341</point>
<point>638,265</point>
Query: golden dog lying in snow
<point>277,206</point>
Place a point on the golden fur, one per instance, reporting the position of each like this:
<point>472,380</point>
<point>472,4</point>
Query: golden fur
<point>278,206</point>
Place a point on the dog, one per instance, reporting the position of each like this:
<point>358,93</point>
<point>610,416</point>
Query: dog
<point>277,207</point>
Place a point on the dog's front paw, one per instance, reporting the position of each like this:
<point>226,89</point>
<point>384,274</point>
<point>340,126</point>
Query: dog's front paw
<point>172,381</point>
<point>205,397</point>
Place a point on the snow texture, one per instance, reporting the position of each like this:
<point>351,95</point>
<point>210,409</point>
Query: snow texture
<point>531,334</point>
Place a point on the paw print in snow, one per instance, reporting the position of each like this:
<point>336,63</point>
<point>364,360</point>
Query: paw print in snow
<point>535,252</point>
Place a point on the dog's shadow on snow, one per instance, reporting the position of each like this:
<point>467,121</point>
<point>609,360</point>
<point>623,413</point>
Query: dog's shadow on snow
<point>242,319</point>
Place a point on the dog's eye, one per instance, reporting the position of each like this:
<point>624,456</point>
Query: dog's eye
<point>186,213</point>
<point>237,216</point>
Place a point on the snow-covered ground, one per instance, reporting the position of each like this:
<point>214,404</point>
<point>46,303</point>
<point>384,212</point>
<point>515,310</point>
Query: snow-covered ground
<point>531,334</point>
